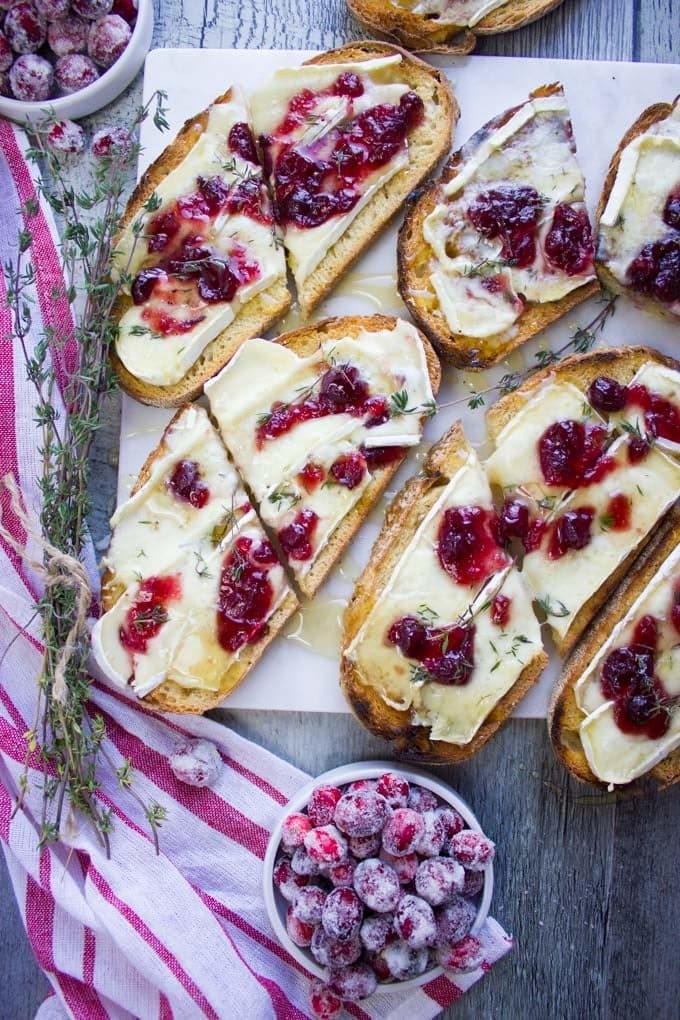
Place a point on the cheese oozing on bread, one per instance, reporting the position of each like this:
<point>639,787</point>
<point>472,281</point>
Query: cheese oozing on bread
<point>652,407</point>
<point>465,13</point>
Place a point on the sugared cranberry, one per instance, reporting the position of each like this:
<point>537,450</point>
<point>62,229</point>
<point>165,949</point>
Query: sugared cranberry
<point>570,454</point>
<point>361,784</point>
<point>656,270</point>
<point>92,9</point>
<point>472,849</point>
<point>571,531</point>
<point>473,884</point>
<point>74,72</point>
<point>361,813</point>
<point>348,84</point>
<point>439,879</point>
<point>107,39</point>
<point>326,845</point>
<point>324,1004</point>
<point>126,9</point>
<point>31,78</point>
<point>353,983</point>
<point>52,10</point>
<point>671,210</point>
<point>377,885</point>
<point>109,142</point>
<point>606,394</point>
<point>287,881</point>
<point>376,931</point>
<point>186,484</point>
<point>405,867</point>
<point>454,921</point>
<point>342,915</point>
<point>245,594</point>
<point>196,763</point>
<point>296,537</point>
<point>422,799</point>
<point>294,829</point>
<point>66,137</point>
<point>394,788</point>
<point>302,863</point>
<point>331,952</point>
<point>349,469</point>
<point>431,839</point>
<point>6,55</point>
<point>467,546</point>
<point>25,29</point>
<point>308,905</point>
<point>149,611</point>
<point>298,932</point>
<point>452,821</point>
<point>467,955</point>
<point>363,847</point>
<point>69,35</point>
<point>342,875</point>
<point>569,242</point>
<point>402,832</point>
<point>511,214</point>
<point>322,803</point>
<point>403,962</point>
<point>414,921</point>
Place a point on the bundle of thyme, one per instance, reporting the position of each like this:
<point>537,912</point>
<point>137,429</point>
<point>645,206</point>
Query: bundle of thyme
<point>67,737</point>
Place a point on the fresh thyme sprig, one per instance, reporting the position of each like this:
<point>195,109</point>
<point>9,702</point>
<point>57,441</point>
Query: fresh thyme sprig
<point>67,736</point>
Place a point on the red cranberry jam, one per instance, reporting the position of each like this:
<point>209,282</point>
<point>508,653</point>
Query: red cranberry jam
<point>671,212</point>
<point>606,394</point>
<point>656,270</point>
<point>617,516</point>
<point>570,454</point>
<point>382,456</point>
<point>447,653</point>
<point>311,476</point>
<point>296,537</point>
<point>628,679</point>
<point>516,522</point>
<point>571,530</point>
<point>149,612</point>
<point>569,242</point>
<point>510,214</point>
<point>242,143</point>
<point>661,416</point>
<point>500,610</point>
<point>349,469</point>
<point>185,483</point>
<point>467,544</point>
<point>246,594</point>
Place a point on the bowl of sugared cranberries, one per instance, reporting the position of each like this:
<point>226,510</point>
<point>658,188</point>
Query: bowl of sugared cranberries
<point>377,878</point>
<point>67,58</point>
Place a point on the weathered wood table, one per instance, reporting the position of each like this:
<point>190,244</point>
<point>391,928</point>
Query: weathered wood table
<point>588,884</point>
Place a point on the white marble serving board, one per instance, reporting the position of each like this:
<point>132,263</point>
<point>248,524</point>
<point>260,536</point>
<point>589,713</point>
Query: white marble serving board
<point>299,671</point>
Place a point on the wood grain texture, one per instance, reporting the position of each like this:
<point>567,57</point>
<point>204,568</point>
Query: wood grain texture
<point>586,883</point>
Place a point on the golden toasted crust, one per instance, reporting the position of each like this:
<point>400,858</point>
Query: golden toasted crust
<point>564,716</point>
<point>403,517</point>
<point>413,261</point>
<point>618,363</point>
<point>304,342</point>
<point>652,115</point>
<point>416,32</point>
<point>255,317</point>
<point>428,143</point>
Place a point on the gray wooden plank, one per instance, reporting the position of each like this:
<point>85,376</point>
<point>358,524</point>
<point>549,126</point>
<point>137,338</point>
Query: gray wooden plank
<point>22,983</point>
<point>657,31</point>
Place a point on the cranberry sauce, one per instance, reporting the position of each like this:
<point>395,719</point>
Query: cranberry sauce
<point>617,516</point>
<point>571,530</point>
<point>571,454</point>
<point>661,416</point>
<point>311,476</point>
<point>148,612</point>
<point>341,390</point>
<point>296,537</point>
<point>671,211</point>
<point>511,214</point>
<point>500,610</point>
<point>628,679</point>
<point>569,243</point>
<point>321,177</point>
<point>656,270</point>
<point>382,456</point>
<point>242,143</point>
<point>447,653</point>
<point>467,544</point>
<point>185,483</point>
<point>245,595</point>
<point>349,469</point>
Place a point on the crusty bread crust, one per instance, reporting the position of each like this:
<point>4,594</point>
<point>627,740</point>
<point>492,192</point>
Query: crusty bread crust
<point>403,517</point>
<point>428,143</point>
<point>416,32</point>
<point>652,115</point>
<point>620,364</point>
<point>564,715</point>
<point>304,342</point>
<point>413,259</point>
<point>254,318</point>
<point>170,696</point>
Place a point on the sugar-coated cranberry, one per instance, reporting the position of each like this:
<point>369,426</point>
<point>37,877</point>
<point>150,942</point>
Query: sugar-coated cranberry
<point>286,880</point>
<point>326,845</point>
<point>405,867</point>
<point>109,142</point>
<point>331,952</point>
<point>362,847</point>
<point>196,763</point>
<point>298,932</point>
<point>414,921</point>
<point>394,788</point>
<point>322,803</point>
<point>25,29</point>
<point>454,921</point>
<point>52,10</point>
<point>308,904</point>
<point>361,784</point>
<point>606,394</point>
<point>404,962</point>
<point>92,9</point>
<point>438,879</point>
<point>361,813</point>
<point>69,35</point>
<point>377,885</point>
<point>324,1004</point>
<point>74,72</point>
<point>569,243</point>
<point>473,884</point>
<point>353,983</point>
<point>472,849</point>
<point>452,821</point>
<point>656,270</point>
<point>431,839</point>
<point>671,210</point>
<point>342,874</point>
<point>376,931</point>
<point>126,9</point>
<point>294,829</point>
<point>402,831</point>
<point>107,39</point>
<point>422,799</point>
<point>303,864</point>
<point>65,136</point>
<point>6,55</point>
<point>31,78</point>
<point>342,914</point>
<point>466,956</point>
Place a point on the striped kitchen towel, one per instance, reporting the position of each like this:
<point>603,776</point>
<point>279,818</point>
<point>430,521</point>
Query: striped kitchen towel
<point>183,934</point>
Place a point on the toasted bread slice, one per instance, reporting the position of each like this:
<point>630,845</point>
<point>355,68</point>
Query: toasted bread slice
<point>427,144</point>
<point>404,516</point>
<point>430,34</point>
<point>416,260</point>
<point>620,364</point>
<point>652,115</point>
<point>305,342</point>
<point>564,715</point>
<point>253,318</point>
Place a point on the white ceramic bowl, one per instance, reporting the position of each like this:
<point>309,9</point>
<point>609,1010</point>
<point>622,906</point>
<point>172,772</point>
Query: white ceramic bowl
<point>276,904</point>
<point>102,91</point>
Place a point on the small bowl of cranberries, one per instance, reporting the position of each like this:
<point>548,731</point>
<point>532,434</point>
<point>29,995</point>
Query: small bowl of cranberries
<point>377,878</point>
<point>67,58</point>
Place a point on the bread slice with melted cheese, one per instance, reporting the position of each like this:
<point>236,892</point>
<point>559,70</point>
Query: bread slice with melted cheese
<point>399,579</point>
<point>629,214</point>
<point>634,760</point>
<point>447,26</point>
<point>461,291</point>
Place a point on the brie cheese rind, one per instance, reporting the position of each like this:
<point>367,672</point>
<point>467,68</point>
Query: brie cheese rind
<point>648,172</point>
<point>533,148</point>
<point>151,526</point>
<point>466,13</point>
<point>269,104</point>
<point>614,756</point>
<point>454,713</point>
<point>160,359</point>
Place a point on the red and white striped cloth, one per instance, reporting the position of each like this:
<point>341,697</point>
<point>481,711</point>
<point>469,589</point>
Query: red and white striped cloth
<point>183,934</point>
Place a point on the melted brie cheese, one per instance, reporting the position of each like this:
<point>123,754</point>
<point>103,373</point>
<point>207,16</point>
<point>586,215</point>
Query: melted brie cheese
<point>651,487</point>
<point>466,13</point>
<point>660,380</point>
